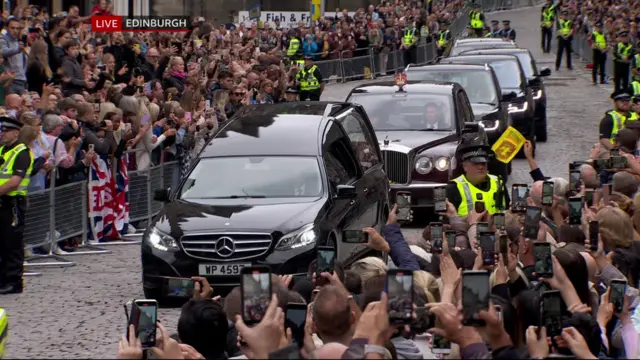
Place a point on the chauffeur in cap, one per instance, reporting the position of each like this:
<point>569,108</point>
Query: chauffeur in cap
<point>507,32</point>
<point>476,184</point>
<point>17,162</point>
<point>622,58</point>
<point>616,119</point>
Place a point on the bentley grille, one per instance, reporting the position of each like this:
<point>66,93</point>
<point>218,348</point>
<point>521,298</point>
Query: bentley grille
<point>226,246</point>
<point>396,165</point>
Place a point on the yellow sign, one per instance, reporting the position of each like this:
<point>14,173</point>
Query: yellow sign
<point>316,9</point>
<point>508,145</point>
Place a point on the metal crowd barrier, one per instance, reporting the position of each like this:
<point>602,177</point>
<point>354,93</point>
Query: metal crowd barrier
<point>60,213</point>
<point>582,48</point>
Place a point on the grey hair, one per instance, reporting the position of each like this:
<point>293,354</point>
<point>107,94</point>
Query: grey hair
<point>589,177</point>
<point>50,122</point>
<point>129,105</point>
<point>560,186</point>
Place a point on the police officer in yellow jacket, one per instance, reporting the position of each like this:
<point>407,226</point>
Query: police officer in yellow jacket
<point>599,50</point>
<point>622,55</point>
<point>17,162</point>
<point>565,38</point>
<point>476,185</point>
<point>310,81</point>
<point>476,19</point>
<point>443,40</point>
<point>294,48</point>
<point>547,19</point>
<point>616,119</point>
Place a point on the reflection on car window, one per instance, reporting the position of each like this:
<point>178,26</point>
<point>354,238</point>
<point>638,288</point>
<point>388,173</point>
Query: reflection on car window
<point>339,164</point>
<point>411,112</point>
<point>508,73</point>
<point>527,63</point>
<point>477,84</point>
<point>360,141</point>
<point>269,177</point>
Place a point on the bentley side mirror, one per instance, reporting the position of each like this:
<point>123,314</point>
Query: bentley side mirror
<point>545,72</point>
<point>346,192</point>
<point>161,195</point>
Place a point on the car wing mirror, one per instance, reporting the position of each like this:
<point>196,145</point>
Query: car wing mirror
<point>346,192</point>
<point>161,195</point>
<point>509,96</point>
<point>545,72</point>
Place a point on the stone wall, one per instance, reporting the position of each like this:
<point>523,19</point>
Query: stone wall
<point>224,10</point>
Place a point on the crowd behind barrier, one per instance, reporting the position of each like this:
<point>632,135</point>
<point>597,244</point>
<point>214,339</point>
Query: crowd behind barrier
<point>63,212</point>
<point>582,48</point>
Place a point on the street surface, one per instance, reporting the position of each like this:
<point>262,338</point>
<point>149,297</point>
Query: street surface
<point>77,312</point>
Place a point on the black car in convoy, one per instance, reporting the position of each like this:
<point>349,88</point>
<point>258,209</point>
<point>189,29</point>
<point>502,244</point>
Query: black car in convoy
<point>480,43</point>
<point>275,182</point>
<point>418,126</point>
<point>535,78</point>
<point>515,89</point>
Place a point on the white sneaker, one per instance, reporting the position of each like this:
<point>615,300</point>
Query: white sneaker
<point>58,251</point>
<point>131,230</point>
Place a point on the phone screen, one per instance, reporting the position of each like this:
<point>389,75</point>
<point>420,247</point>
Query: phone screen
<point>176,287</point>
<point>519,196</point>
<point>91,147</point>
<point>255,286</point>
<point>440,345</point>
<point>544,264</point>
<point>144,316</point>
<point>547,193</point>
<point>552,312</point>
<point>400,293</point>
<point>295,320</point>
<point>616,297</point>
<point>594,230</point>
<point>588,197</point>
<point>532,222</point>
<point>575,210</point>
<point>475,296</point>
<point>482,227</point>
<point>404,206</point>
<point>618,162</point>
<point>440,199</point>
<point>325,260</point>
<point>498,220</point>
<point>355,237</point>
<point>488,246</point>
<point>574,180</point>
<point>504,247</point>
<point>451,238</point>
<point>436,236</point>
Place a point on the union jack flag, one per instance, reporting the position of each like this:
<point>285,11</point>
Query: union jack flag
<point>108,202</point>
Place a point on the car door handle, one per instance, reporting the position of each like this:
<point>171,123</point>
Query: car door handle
<point>366,189</point>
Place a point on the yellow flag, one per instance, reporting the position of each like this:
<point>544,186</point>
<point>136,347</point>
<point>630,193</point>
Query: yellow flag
<point>508,145</point>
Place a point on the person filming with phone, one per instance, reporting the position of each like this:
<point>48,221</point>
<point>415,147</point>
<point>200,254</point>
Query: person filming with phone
<point>476,189</point>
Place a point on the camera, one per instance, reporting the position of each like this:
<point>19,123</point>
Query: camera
<point>137,72</point>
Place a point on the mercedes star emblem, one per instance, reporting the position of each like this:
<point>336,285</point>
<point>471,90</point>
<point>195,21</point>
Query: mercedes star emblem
<point>225,246</point>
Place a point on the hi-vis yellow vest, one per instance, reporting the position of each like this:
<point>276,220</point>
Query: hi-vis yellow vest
<point>469,194</point>
<point>476,22</point>
<point>294,45</point>
<point>599,40</point>
<point>548,15</point>
<point>565,27</point>
<point>4,330</point>
<point>308,81</point>
<point>6,171</point>
<point>443,38</point>
<point>409,35</point>
<point>618,122</point>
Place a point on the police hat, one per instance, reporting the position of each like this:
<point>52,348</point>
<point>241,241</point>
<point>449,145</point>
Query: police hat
<point>623,33</point>
<point>475,6</point>
<point>9,123</point>
<point>621,95</point>
<point>474,148</point>
<point>291,90</point>
<point>495,22</point>
<point>598,24</point>
<point>506,22</point>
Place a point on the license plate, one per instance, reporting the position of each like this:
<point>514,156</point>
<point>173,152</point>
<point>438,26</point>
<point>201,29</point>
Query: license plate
<point>221,269</point>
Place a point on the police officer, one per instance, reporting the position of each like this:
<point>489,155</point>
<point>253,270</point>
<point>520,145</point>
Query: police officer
<point>622,59</point>
<point>547,19</point>
<point>409,42</point>
<point>17,162</point>
<point>294,49</point>
<point>614,120</point>
<point>309,80</point>
<point>476,19</point>
<point>507,32</point>
<point>443,42</point>
<point>565,37</point>
<point>635,88</point>
<point>476,184</point>
<point>291,94</point>
<point>635,64</point>
<point>495,29</point>
<point>599,50</point>
<point>4,330</point>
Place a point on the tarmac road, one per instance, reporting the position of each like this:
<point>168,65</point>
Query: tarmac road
<point>77,312</point>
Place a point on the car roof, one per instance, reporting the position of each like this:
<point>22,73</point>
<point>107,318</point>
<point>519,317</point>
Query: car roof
<point>390,87</point>
<point>466,41</point>
<point>498,50</point>
<point>444,67</point>
<point>460,59</point>
<point>274,129</point>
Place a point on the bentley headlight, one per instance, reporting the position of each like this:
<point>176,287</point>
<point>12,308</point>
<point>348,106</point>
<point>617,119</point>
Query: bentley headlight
<point>442,163</point>
<point>161,241</point>
<point>538,95</point>
<point>304,236</point>
<point>490,125</point>
<point>424,165</point>
<point>518,108</point>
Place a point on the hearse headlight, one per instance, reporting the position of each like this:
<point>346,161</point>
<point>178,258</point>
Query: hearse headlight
<point>424,165</point>
<point>304,236</point>
<point>161,241</point>
<point>442,163</point>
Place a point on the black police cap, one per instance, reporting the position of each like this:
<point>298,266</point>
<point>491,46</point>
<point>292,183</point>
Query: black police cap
<point>291,90</point>
<point>564,12</point>
<point>599,24</point>
<point>621,94</point>
<point>8,122</point>
<point>495,22</point>
<point>506,22</point>
<point>623,33</point>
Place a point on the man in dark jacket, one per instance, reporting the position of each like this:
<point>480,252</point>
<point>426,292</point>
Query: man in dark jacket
<point>123,54</point>
<point>72,77</point>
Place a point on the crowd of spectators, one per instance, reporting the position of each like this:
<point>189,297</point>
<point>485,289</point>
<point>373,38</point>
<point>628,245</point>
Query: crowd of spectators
<point>615,16</point>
